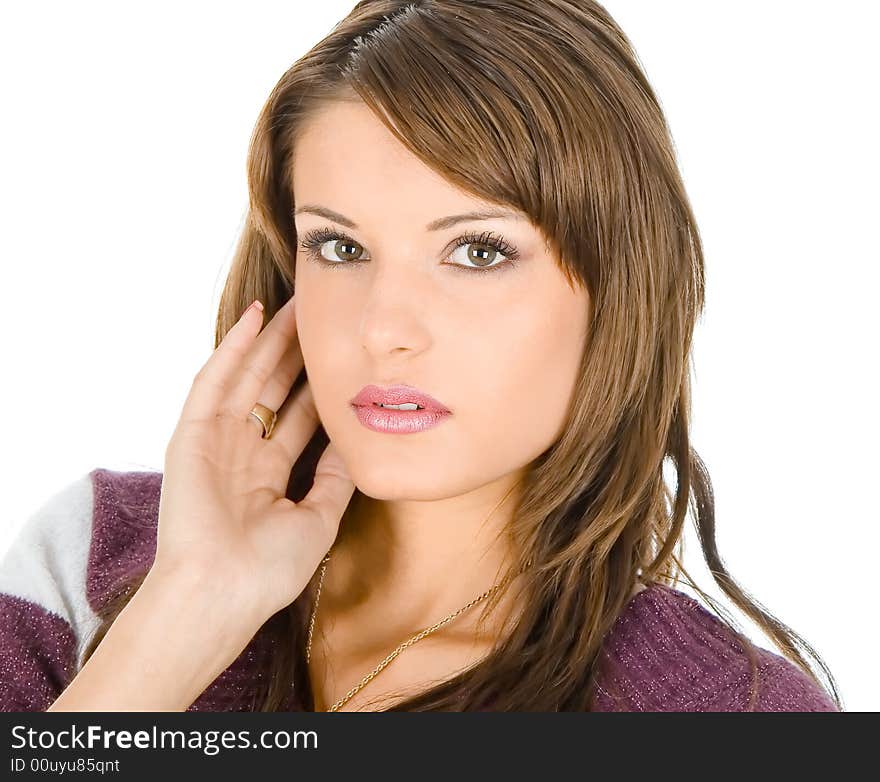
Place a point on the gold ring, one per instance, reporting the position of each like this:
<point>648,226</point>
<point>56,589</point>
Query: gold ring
<point>266,417</point>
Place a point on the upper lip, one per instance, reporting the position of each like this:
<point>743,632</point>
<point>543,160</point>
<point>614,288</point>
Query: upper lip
<point>397,395</point>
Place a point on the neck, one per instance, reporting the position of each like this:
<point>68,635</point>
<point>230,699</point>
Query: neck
<point>413,562</point>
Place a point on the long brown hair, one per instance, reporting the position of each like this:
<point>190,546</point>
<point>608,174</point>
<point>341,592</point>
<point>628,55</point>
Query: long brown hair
<point>541,106</point>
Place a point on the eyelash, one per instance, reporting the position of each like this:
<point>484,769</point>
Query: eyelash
<point>313,240</point>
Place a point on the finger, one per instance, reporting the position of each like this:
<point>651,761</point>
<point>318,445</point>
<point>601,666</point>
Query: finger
<point>261,377</point>
<point>296,424</point>
<point>278,388</point>
<point>331,492</point>
<point>214,380</point>
<point>287,371</point>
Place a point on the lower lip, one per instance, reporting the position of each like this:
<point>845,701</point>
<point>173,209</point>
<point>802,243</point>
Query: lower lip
<point>397,421</point>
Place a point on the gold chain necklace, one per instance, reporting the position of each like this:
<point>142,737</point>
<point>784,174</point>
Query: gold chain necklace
<point>409,642</point>
<point>406,644</point>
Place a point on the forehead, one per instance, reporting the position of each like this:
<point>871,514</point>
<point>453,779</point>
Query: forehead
<point>346,159</point>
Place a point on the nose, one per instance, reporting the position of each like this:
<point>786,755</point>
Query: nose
<point>395,311</point>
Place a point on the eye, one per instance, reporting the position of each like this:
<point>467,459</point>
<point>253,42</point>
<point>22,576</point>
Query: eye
<point>344,247</point>
<point>331,248</point>
<point>486,249</point>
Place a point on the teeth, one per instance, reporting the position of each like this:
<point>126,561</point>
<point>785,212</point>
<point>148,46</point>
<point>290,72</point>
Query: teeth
<point>406,406</point>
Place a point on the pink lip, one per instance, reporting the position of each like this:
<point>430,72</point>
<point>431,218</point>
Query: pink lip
<point>366,407</point>
<point>397,395</point>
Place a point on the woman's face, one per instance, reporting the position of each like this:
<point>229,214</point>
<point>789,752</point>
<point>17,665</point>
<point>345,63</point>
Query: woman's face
<point>399,303</point>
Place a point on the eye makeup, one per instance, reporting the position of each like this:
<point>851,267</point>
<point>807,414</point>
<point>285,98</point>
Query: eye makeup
<point>313,241</point>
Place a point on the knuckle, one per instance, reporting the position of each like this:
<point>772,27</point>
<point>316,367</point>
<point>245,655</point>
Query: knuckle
<point>226,415</point>
<point>259,372</point>
<point>171,449</point>
<point>212,381</point>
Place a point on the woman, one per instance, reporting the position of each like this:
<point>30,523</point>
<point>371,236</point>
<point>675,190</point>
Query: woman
<point>424,470</point>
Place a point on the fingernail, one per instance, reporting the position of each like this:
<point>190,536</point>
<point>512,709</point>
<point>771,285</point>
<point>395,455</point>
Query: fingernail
<point>255,304</point>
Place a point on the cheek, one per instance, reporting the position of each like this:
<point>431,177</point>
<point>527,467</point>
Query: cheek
<point>325,307</point>
<point>319,340</point>
<point>526,381</point>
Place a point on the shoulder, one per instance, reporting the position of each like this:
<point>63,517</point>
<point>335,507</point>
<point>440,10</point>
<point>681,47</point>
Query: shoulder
<point>124,523</point>
<point>69,559</point>
<point>73,552</point>
<point>667,652</point>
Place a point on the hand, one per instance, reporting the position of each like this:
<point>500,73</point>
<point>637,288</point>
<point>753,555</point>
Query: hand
<point>223,511</point>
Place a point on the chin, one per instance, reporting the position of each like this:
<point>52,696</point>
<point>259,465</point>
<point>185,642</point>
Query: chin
<point>383,484</point>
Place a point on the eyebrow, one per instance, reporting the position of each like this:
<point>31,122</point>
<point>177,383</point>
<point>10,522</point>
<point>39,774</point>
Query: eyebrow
<point>435,225</point>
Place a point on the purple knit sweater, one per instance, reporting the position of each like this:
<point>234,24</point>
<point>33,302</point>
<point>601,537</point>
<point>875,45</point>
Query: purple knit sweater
<point>665,652</point>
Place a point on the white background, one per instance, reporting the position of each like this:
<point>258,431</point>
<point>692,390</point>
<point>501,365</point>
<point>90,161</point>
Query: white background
<point>122,151</point>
